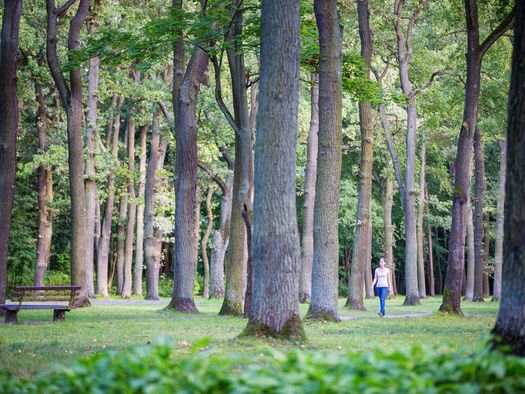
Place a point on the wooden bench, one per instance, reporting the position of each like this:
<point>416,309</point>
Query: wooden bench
<point>43,295</point>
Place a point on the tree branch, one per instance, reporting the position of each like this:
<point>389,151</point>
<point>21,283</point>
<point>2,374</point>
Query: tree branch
<point>498,32</point>
<point>60,11</point>
<point>427,84</point>
<point>227,157</point>
<point>213,176</point>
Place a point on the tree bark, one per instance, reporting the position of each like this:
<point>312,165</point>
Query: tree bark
<point>90,176</point>
<point>204,243</point>
<point>369,289</point>
<point>186,148</point>
<point>456,247</point>
<point>420,229</point>
<point>8,127</point>
<point>152,292</point>
<point>508,330</point>
<point>121,240</point>
<point>498,254</point>
<point>139,248</point>
<point>132,215</point>
<point>236,256</point>
<point>404,54</point>
<point>310,175</point>
<point>469,291</point>
<point>325,275</point>
<point>220,242</point>
<point>479,190</point>
<point>45,193</point>
<point>389,228</point>
<point>105,235</point>
<point>276,252</point>
<point>363,216</point>
<point>71,98</point>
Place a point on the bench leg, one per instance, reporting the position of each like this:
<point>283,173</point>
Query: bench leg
<point>11,316</point>
<point>59,315</point>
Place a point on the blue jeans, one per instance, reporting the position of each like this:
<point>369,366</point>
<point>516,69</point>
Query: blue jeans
<point>382,293</point>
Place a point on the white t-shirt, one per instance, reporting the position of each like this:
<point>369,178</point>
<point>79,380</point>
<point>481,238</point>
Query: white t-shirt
<point>382,277</point>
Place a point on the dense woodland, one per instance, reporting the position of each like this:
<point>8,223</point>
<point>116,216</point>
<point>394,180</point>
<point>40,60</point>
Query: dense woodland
<point>263,154</point>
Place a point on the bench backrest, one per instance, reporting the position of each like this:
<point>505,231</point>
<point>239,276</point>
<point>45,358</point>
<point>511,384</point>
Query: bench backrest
<point>67,294</point>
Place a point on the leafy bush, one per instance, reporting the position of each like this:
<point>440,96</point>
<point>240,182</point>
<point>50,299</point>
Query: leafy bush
<point>157,369</point>
<point>166,286</point>
<point>56,278</point>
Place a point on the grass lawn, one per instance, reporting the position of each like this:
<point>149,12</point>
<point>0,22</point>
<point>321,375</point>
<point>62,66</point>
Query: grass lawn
<point>36,343</point>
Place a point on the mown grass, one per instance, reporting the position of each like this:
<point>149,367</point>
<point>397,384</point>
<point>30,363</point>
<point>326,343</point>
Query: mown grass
<point>36,342</point>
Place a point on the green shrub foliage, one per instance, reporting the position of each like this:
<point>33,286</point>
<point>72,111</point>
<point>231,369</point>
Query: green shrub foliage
<point>158,369</point>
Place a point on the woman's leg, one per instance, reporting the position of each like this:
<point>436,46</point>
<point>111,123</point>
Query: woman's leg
<point>382,292</point>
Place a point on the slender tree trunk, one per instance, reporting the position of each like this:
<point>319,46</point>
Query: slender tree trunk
<point>45,195</point>
<point>243,174</point>
<point>276,251</point>
<point>469,291</point>
<point>508,330</point>
<point>8,127</point>
<point>486,254</point>
<point>121,240</point>
<point>369,289</point>
<point>152,292</point>
<point>420,229</point>
<point>456,247</point>
<point>90,183</point>
<point>71,97</point>
<point>431,281</point>
<point>186,244</point>
<point>139,248</point>
<point>310,175</point>
<point>105,235</point>
<point>363,216</point>
<point>220,242</point>
<point>204,243</point>
<point>325,275</point>
<point>404,53</point>
<point>498,255</point>
<point>132,207</point>
<point>389,228</point>
<point>479,190</point>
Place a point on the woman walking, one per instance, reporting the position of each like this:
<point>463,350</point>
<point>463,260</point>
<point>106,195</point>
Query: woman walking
<point>382,282</point>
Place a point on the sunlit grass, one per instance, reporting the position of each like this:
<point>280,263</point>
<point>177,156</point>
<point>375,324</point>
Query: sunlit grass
<point>36,342</point>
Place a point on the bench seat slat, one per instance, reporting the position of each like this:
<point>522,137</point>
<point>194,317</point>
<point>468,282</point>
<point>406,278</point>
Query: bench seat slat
<point>15,307</point>
<point>25,288</point>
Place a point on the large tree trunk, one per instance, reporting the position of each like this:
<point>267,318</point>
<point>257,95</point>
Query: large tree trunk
<point>276,252</point>
<point>71,98</point>
<point>363,216</point>
<point>105,235</point>
<point>509,325</point>
<point>152,291</point>
<point>186,147</point>
<point>479,190</point>
<point>325,275</point>
<point>132,206</point>
<point>431,281</point>
<point>404,54</point>
<point>498,254</point>
<point>8,128</point>
<point>45,195</point>
<point>456,247</point>
<point>310,176</point>
<point>420,229</point>
<point>139,248</point>
<point>90,183</point>
<point>243,174</point>
<point>204,244</point>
